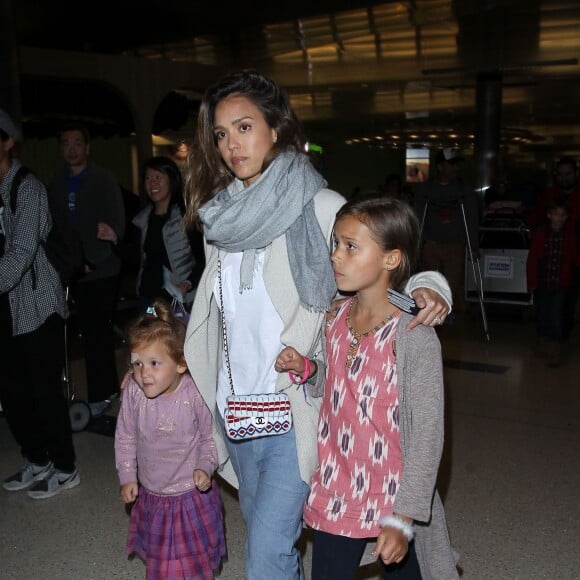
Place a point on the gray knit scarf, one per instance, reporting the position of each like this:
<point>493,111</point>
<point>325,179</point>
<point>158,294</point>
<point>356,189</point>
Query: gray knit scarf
<point>280,201</point>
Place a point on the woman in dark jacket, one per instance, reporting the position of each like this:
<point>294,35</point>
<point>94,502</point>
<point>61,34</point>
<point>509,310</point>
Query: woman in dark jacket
<point>171,257</point>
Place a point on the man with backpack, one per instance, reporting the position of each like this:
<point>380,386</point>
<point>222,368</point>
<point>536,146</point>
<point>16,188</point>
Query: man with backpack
<point>94,207</point>
<point>63,245</point>
<point>32,313</point>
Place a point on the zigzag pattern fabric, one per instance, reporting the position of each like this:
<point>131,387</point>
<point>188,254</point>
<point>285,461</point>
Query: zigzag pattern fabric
<point>249,416</point>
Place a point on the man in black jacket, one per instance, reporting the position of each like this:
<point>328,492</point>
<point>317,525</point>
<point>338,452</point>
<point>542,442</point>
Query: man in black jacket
<point>96,212</point>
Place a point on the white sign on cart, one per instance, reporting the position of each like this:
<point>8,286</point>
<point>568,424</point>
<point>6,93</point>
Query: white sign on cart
<point>499,267</point>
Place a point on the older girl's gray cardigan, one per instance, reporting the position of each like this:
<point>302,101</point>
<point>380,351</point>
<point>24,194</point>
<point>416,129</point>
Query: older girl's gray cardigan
<point>421,411</point>
<point>421,407</point>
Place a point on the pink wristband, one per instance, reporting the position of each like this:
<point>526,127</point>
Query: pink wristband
<point>296,378</point>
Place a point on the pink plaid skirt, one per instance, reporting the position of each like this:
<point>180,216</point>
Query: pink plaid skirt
<point>178,536</point>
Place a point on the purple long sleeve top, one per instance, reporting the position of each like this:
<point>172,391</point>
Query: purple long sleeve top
<point>160,442</point>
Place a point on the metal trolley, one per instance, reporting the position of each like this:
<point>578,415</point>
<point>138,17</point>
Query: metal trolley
<point>504,244</point>
<point>79,410</point>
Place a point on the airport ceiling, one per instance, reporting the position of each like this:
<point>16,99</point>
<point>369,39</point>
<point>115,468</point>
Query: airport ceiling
<point>372,73</point>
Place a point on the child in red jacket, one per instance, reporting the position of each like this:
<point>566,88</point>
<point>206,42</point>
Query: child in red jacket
<point>551,261</point>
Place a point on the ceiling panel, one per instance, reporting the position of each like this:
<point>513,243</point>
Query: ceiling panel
<point>356,67</point>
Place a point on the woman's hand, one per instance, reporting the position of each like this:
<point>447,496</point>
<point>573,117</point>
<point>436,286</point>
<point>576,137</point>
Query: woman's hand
<point>433,307</point>
<point>129,492</point>
<point>290,359</point>
<point>202,480</point>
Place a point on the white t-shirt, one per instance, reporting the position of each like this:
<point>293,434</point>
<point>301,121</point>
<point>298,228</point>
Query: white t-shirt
<point>253,329</point>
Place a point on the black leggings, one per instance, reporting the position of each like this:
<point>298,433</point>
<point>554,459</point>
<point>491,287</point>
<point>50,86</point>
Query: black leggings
<point>339,557</point>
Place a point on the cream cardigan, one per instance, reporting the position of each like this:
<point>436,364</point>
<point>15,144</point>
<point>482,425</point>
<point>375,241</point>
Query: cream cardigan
<point>301,330</point>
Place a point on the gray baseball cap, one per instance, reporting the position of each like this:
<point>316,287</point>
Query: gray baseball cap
<point>8,126</point>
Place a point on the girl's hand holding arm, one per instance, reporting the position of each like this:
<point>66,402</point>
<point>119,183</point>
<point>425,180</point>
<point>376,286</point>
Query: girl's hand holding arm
<point>290,360</point>
<point>184,287</point>
<point>129,492</point>
<point>393,541</point>
<point>202,480</point>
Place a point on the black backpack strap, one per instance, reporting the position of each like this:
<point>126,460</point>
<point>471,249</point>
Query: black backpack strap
<point>19,176</point>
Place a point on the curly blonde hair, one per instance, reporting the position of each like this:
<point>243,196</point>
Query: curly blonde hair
<point>160,325</point>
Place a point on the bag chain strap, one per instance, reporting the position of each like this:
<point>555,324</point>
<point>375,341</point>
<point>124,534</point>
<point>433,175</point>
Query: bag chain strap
<point>225,334</point>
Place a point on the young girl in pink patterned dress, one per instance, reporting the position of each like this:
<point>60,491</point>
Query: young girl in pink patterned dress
<point>165,456</point>
<point>380,430</point>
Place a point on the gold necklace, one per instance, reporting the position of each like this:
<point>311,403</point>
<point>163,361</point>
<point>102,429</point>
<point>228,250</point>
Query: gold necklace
<point>358,336</point>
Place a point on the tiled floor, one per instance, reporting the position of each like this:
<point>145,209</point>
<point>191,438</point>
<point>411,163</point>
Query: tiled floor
<point>510,476</point>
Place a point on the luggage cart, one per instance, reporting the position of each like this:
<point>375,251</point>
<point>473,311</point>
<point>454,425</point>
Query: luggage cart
<point>504,244</point>
<point>475,268</point>
<point>79,411</point>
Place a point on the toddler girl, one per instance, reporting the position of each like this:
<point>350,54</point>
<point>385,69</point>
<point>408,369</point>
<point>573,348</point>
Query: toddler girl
<point>165,456</point>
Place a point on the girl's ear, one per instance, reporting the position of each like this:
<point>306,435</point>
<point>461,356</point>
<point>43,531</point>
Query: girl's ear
<point>181,367</point>
<point>392,259</point>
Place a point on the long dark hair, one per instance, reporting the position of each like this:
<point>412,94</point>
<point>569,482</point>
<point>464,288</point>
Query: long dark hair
<point>168,167</point>
<point>207,173</point>
<point>394,226</point>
